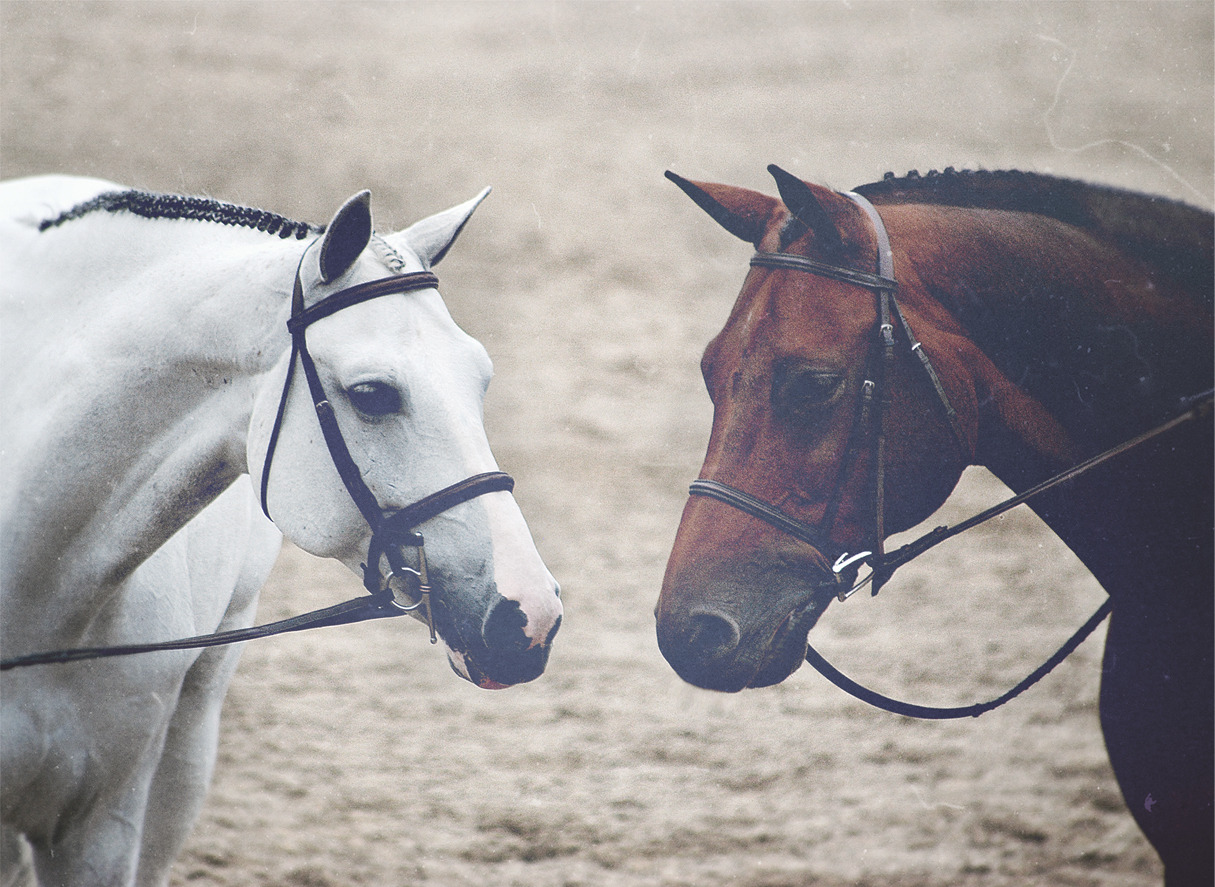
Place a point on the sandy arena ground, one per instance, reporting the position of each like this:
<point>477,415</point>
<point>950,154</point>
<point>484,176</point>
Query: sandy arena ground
<point>353,756</point>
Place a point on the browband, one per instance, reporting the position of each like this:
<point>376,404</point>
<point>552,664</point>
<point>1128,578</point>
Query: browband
<point>363,292</point>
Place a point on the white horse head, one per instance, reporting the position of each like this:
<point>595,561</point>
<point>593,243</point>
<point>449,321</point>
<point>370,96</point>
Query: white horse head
<point>405,385</point>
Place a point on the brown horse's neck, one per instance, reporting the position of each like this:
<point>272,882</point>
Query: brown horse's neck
<point>1108,344</point>
<point>1071,335</point>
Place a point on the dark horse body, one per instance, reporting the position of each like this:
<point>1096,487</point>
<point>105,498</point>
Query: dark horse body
<point>1061,319</point>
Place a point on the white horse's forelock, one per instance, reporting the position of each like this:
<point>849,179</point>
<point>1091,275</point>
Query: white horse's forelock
<point>386,254</point>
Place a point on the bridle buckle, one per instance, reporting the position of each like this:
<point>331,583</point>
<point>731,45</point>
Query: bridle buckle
<point>410,588</point>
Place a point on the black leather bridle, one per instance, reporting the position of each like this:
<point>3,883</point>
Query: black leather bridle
<point>404,587</point>
<point>874,399</point>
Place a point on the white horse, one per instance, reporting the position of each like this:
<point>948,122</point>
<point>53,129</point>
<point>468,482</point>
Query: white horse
<point>147,366</point>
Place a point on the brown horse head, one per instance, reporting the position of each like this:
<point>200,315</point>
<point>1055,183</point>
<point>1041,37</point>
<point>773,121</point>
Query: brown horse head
<point>791,379</point>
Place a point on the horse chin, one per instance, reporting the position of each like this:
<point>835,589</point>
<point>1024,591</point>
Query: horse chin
<point>467,670</point>
<point>508,675</point>
<point>787,651</point>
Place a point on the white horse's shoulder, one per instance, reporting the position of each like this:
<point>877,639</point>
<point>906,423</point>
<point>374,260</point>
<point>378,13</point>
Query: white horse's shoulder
<point>33,199</point>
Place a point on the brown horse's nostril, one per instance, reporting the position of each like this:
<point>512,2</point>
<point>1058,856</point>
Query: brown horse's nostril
<point>712,635</point>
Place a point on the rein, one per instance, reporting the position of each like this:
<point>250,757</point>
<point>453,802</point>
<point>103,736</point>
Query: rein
<point>405,589</point>
<point>356,610</point>
<point>883,565</point>
<point>1202,405</point>
<point>391,601</point>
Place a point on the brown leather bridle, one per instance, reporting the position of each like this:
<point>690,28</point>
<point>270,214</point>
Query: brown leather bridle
<point>870,416</point>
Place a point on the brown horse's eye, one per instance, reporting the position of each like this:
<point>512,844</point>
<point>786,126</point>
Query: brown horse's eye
<point>800,392</point>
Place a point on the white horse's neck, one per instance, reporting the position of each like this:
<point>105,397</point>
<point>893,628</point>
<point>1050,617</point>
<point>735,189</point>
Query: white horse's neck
<point>161,332</point>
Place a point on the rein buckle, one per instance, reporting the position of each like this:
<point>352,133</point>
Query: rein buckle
<point>843,562</point>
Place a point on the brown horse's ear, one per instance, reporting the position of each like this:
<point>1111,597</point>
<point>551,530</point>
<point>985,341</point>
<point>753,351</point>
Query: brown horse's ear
<point>802,202</point>
<point>743,213</point>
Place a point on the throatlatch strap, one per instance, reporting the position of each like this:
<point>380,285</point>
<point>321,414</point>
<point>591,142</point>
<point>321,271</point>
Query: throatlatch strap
<point>276,430</point>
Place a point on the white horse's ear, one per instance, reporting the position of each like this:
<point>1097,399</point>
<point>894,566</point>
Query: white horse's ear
<point>432,237</point>
<point>346,237</point>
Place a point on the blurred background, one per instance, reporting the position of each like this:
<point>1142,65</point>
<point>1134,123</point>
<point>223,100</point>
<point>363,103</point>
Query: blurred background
<point>352,756</point>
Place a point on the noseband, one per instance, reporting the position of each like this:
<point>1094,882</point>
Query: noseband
<point>875,397</point>
<point>405,587</point>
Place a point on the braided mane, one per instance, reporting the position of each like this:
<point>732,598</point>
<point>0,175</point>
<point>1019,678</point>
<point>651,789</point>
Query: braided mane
<point>1168,235</point>
<point>172,206</point>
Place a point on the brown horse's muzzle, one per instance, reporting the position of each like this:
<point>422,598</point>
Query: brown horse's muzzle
<point>732,624</point>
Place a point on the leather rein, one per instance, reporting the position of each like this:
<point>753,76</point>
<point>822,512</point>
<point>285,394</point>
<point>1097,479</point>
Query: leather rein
<point>405,588</point>
<point>875,397</point>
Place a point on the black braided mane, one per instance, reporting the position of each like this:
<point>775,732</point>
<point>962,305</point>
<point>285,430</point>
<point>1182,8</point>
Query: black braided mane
<point>1169,235</point>
<point>173,206</point>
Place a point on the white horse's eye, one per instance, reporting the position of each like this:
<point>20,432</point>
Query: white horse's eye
<point>375,398</point>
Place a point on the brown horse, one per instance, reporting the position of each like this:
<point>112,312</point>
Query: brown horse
<point>1052,319</point>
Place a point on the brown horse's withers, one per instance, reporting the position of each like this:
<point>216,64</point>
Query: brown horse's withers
<point>1060,319</point>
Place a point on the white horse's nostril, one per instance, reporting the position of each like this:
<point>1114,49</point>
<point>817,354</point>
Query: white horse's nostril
<point>505,628</point>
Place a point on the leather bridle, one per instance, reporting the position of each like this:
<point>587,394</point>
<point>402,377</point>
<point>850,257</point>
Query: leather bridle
<point>870,416</point>
<point>406,588</point>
